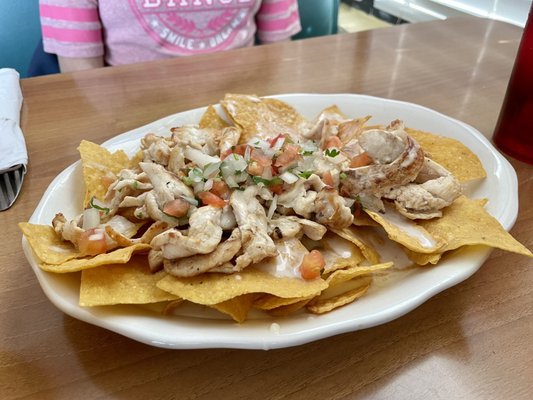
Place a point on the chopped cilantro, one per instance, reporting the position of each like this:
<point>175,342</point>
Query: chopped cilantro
<point>305,174</point>
<point>333,152</point>
<point>104,209</point>
<point>188,181</point>
<point>267,182</point>
<point>343,175</point>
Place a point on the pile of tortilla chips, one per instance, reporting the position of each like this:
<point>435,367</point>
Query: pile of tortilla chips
<point>122,276</point>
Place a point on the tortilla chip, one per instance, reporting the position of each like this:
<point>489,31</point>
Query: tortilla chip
<point>338,252</point>
<point>285,113</point>
<point>209,289</point>
<point>263,118</point>
<point>237,308</point>
<point>284,311</point>
<point>98,162</point>
<point>48,247</point>
<point>345,275</point>
<point>172,306</point>
<point>451,154</point>
<point>211,119</point>
<point>131,283</point>
<point>423,259</point>
<point>323,305</point>
<point>466,222</point>
<point>333,113</point>
<point>269,302</point>
<point>351,234</point>
<point>118,256</point>
<point>408,233</point>
<point>342,263</point>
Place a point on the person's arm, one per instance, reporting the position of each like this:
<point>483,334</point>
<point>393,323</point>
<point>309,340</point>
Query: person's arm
<point>73,31</point>
<point>71,64</point>
<point>277,20</point>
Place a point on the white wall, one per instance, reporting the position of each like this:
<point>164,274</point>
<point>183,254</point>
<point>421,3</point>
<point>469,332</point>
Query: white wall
<point>512,11</point>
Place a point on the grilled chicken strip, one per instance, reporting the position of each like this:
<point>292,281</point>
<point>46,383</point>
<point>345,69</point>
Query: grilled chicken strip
<point>397,160</point>
<point>252,222</point>
<point>192,266</point>
<point>434,188</point>
<point>203,236</point>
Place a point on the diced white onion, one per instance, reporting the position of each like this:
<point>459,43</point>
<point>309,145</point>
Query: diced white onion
<point>235,162</point>
<point>195,175</point>
<point>278,144</point>
<point>208,185</point>
<point>267,173</point>
<point>288,177</point>
<point>247,153</point>
<point>198,187</point>
<point>91,218</point>
<point>211,170</point>
<point>122,225</point>
<point>199,158</point>
<point>230,180</point>
<point>273,206</point>
<point>242,177</point>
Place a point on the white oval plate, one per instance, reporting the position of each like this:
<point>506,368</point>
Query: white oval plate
<point>384,302</point>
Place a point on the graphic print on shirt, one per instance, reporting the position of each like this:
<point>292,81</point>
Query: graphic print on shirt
<point>193,26</point>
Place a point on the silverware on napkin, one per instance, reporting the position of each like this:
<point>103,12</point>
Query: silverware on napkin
<point>13,153</point>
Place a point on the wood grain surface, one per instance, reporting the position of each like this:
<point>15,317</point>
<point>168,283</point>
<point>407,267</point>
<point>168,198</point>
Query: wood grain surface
<point>473,341</point>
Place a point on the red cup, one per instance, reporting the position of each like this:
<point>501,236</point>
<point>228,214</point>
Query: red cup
<point>514,130</point>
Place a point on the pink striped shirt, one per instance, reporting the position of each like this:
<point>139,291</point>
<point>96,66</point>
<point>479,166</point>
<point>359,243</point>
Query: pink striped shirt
<point>130,31</point>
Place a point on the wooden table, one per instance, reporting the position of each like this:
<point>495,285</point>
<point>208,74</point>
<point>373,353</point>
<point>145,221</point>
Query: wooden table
<point>472,341</point>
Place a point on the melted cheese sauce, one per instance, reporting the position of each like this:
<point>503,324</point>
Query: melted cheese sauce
<point>287,264</point>
<point>409,228</point>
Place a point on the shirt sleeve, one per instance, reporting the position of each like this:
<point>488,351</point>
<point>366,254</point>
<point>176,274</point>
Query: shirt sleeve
<point>277,20</point>
<point>71,28</point>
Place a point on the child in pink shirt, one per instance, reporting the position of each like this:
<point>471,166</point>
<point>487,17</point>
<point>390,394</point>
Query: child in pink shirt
<point>91,33</point>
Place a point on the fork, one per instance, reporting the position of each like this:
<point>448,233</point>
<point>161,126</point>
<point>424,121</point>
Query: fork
<point>10,185</point>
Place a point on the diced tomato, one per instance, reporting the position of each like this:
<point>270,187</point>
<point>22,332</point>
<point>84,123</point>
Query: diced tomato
<point>312,264</point>
<point>361,160</point>
<point>255,169</point>
<point>261,158</point>
<point>225,153</point>
<point>211,199</point>
<point>332,141</point>
<point>328,179</point>
<point>290,154</point>
<point>240,149</point>
<point>92,242</point>
<point>177,208</point>
<point>276,188</point>
<point>273,141</point>
<point>221,189</point>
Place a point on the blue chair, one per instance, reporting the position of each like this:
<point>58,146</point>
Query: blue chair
<point>20,33</point>
<point>318,18</point>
